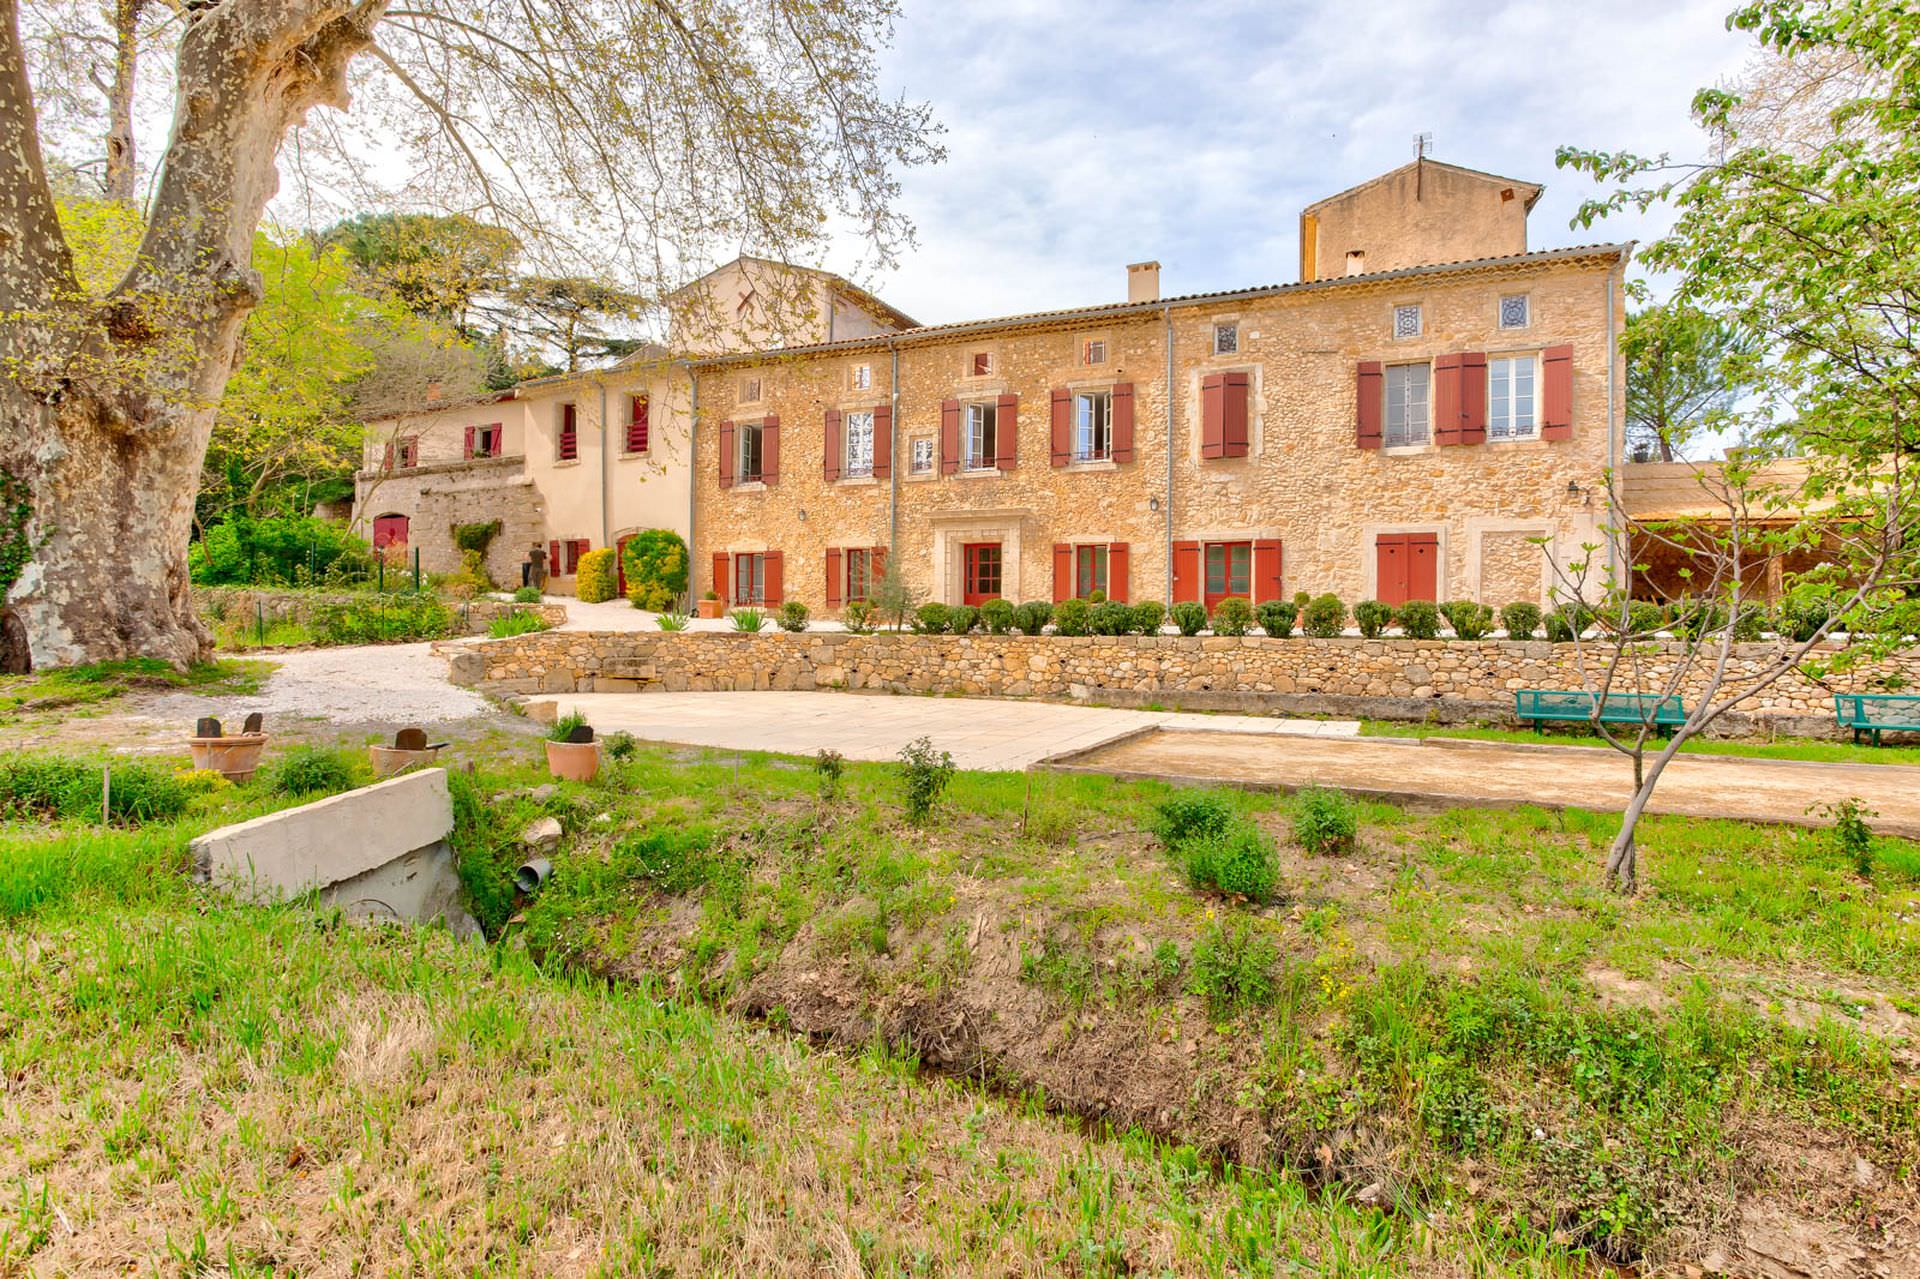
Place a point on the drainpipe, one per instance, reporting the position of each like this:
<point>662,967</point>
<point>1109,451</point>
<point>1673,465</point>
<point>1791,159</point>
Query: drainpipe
<point>1613,442</point>
<point>606,514</point>
<point>693,471</point>
<point>1166,317</point>
<point>893,446</point>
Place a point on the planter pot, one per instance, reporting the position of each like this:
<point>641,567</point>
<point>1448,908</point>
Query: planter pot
<point>389,760</point>
<point>234,757</point>
<point>573,761</point>
<point>711,609</point>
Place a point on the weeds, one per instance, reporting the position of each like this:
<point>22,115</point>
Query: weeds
<point>313,770</point>
<point>52,786</point>
<point>925,774</point>
<point>829,766</point>
<point>1232,967</point>
<point>519,621</point>
<point>1324,821</point>
<point>1852,837</point>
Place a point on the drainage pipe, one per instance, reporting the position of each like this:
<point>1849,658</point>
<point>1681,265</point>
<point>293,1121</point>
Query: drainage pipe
<point>1166,317</point>
<point>893,451</point>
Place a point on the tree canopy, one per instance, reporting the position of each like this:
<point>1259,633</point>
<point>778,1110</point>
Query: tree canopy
<point>1685,370</point>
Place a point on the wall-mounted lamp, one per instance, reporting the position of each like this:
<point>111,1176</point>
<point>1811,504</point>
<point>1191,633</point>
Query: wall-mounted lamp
<point>803,515</point>
<point>1574,491</point>
<point>1153,504</point>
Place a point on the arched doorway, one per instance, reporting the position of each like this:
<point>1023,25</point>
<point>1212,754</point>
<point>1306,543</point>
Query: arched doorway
<point>389,530</point>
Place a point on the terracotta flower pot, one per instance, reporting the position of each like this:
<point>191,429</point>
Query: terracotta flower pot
<point>234,756</point>
<point>389,760</point>
<point>573,761</point>
<point>711,609</point>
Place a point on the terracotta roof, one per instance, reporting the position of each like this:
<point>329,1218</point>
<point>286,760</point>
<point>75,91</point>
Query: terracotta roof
<point>1534,187</point>
<point>384,412</point>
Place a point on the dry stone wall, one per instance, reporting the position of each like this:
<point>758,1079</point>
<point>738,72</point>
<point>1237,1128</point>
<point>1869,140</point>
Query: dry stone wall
<point>1444,680</point>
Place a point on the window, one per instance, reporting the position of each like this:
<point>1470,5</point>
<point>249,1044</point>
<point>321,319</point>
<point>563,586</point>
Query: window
<point>409,452</point>
<point>861,378</point>
<point>1510,383</point>
<point>921,459</point>
<point>567,445</point>
<point>575,549</point>
<point>1406,404</point>
<point>1094,351</point>
<point>1092,426</point>
<point>980,453</point>
<point>981,363</point>
<point>1406,321</point>
<point>1229,571</point>
<point>750,441</point>
<point>1514,311</point>
<point>1089,570</point>
<point>859,444</point>
<point>483,441</point>
<point>749,390</point>
<point>1226,338</point>
<point>749,579</point>
<point>639,429</point>
<point>858,565</point>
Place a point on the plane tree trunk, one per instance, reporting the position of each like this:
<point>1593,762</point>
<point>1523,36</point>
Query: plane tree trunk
<point>107,403</point>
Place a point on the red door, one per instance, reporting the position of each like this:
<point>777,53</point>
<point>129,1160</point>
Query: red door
<point>981,570</point>
<point>389,530</point>
<point>1407,567</point>
<point>620,562</point>
<point>1229,572</point>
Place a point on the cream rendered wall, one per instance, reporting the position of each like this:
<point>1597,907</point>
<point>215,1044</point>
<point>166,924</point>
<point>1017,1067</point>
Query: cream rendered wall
<point>442,432</point>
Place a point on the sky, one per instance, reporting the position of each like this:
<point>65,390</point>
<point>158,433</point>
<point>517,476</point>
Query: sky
<point>1083,136</point>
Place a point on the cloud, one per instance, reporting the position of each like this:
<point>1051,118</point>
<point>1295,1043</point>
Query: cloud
<point>1083,137</point>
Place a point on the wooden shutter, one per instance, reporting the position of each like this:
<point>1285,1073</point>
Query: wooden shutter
<point>770,450</point>
<point>1062,572</point>
<point>386,463</point>
<point>469,451</point>
<point>554,567</point>
<point>726,455</point>
<point>1556,393</point>
<point>721,585</point>
<point>1213,415</point>
<point>877,568</point>
<point>1062,426</point>
<point>1006,433</point>
<point>833,578</point>
<point>1390,569</point>
<point>1473,397</point>
<point>1122,424</point>
<point>883,443</point>
<point>1368,389</point>
<point>1117,558</point>
<point>569,433</point>
<point>949,436</point>
<point>1236,394</point>
<point>775,584</point>
<point>639,434</point>
<point>1423,566</point>
<point>834,447</point>
<point>1186,571</point>
<point>1266,570</point>
<point>1446,399</point>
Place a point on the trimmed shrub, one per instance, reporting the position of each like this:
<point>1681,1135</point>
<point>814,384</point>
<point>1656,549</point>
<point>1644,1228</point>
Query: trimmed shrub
<point>1189,617</point>
<point>312,770</point>
<point>930,619</point>
<point>962,618</point>
<point>857,616</point>
<point>1146,617</point>
<point>1521,619</point>
<point>997,616</point>
<point>1800,617</point>
<point>1239,861</point>
<point>519,621</point>
<point>1276,617</point>
<point>1096,597</point>
<point>1110,617</point>
<point>1324,617</point>
<point>656,564</point>
<point>1372,617</point>
<point>527,595</point>
<point>750,620</point>
<point>1470,620</point>
<point>1324,820</point>
<point>793,616</point>
<point>1192,814</point>
<point>1234,617</point>
<point>1645,618</point>
<point>1750,623</point>
<point>1071,617</point>
<point>1419,619</point>
<point>1031,618</point>
<point>1300,601</point>
<point>1567,621</point>
<point>595,581</point>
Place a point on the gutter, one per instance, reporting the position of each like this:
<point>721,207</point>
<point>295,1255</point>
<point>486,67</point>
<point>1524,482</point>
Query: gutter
<point>1166,313</point>
<point>693,471</point>
<point>606,514</point>
<point>893,452</point>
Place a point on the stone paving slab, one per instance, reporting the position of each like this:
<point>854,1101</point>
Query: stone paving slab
<point>982,733</point>
<point>1442,773</point>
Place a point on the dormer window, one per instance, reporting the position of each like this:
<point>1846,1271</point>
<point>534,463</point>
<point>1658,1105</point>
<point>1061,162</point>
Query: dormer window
<point>1226,338</point>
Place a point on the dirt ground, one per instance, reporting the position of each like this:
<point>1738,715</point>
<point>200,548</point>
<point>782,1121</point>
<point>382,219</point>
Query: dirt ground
<point>1442,772</point>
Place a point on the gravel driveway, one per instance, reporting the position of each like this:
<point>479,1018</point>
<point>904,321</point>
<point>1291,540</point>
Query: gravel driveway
<point>375,684</point>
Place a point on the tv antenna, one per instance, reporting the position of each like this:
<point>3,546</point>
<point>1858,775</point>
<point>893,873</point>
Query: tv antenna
<point>1422,143</point>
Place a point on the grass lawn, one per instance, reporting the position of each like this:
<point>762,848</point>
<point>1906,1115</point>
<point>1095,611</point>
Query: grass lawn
<point>703,1048</point>
<point>74,687</point>
<point>1833,752</point>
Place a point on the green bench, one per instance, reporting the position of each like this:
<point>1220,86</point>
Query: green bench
<point>1877,713</point>
<point>1541,705</point>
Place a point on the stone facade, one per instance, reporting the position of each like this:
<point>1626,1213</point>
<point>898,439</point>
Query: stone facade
<point>1443,680</point>
<point>434,498</point>
<point>1418,213</point>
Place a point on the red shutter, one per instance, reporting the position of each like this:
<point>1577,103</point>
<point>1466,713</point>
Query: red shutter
<point>1446,399</point>
<point>775,579</point>
<point>882,443</point>
<point>726,455</point>
<point>1123,422</point>
<point>1186,571</point>
<point>1390,569</point>
<point>1006,433</point>
<point>1368,394</point>
<point>833,579</point>
<point>770,450</point>
<point>469,452</point>
<point>1062,426</point>
<point>639,435</point>
<point>574,551</point>
<point>878,569</point>
<point>553,558</point>
<point>1266,570</point>
<point>1235,396</point>
<point>387,462</point>
<point>1213,415</point>
<point>721,586</point>
<point>1556,413</point>
<point>1473,397</point>
<point>949,436</point>
<point>1423,566</point>
<point>569,433</point>
<point>1062,572</point>
<point>1117,571</point>
<point>832,453</point>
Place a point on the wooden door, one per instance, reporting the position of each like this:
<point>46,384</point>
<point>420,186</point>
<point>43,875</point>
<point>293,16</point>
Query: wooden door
<point>389,530</point>
<point>1229,572</point>
<point>1406,567</point>
<point>980,566</point>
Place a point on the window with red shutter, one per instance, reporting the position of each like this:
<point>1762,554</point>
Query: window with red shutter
<point>1186,572</point>
<point>1368,393</point>
<point>469,447</point>
<point>831,447</point>
<point>1266,570</point>
<point>1122,447</point>
<point>833,578</point>
<point>1006,433</point>
<point>1473,397</point>
<point>883,443</point>
<point>1236,397</point>
<point>770,450</point>
<point>575,549</point>
<point>386,462</point>
<point>1061,426</point>
<point>1118,557</point>
<point>409,452</point>
<point>639,425</point>
<point>775,590</point>
<point>1446,399</point>
<point>1213,415</point>
<point>1556,398</point>
<point>553,557</point>
<point>568,447</point>
<point>726,455</point>
<point>1062,571</point>
<point>949,436</point>
<point>722,584</point>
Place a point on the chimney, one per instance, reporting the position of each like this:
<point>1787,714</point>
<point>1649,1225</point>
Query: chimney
<point>434,391</point>
<point>1143,282</point>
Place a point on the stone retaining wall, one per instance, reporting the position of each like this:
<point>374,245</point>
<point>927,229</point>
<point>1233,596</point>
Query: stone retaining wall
<point>1445,680</point>
<point>299,606</point>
